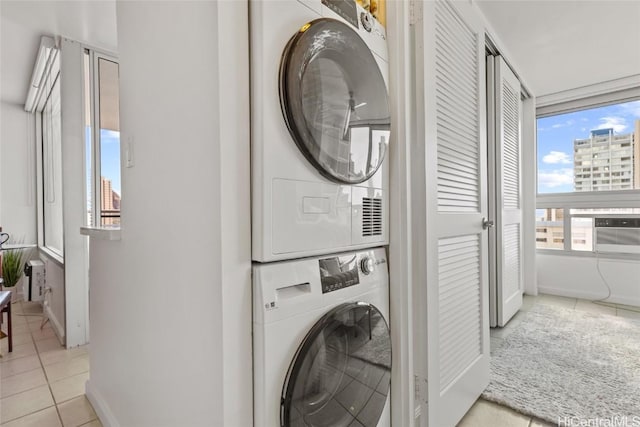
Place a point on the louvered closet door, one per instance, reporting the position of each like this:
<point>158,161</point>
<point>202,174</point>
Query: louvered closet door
<point>456,196</point>
<point>509,286</point>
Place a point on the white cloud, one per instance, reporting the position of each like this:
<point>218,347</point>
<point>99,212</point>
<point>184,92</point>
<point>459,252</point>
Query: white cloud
<point>555,178</point>
<point>618,124</point>
<point>631,108</point>
<point>563,124</point>
<point>108,133</point>
<point>555,157</point>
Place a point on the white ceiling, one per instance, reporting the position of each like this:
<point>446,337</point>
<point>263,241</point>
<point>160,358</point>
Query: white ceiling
<point>557,45</point>
<point>561,45</point>
<point>24,22</point>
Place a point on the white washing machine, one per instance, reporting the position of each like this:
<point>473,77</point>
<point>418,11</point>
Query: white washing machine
<point>321,343</point>
<point>320,128</point>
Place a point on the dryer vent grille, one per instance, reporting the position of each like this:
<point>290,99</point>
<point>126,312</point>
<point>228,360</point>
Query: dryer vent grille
<point>371,216</point>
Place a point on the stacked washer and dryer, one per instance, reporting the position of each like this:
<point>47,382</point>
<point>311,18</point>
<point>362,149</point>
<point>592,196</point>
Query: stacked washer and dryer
<point>320,129</point>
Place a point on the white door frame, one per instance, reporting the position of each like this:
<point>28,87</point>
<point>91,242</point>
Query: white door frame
<point>401,272</point>
<point>447,402</point>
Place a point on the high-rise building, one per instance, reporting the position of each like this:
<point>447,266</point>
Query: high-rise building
<point>636,156</point>
<point>606,161</point>
<point>110,203</point>
<point>106,190</point>
<point>550,228</point>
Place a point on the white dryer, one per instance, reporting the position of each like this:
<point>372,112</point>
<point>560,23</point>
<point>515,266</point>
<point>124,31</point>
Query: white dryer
<point>320,128</point>
<point>321,343</point>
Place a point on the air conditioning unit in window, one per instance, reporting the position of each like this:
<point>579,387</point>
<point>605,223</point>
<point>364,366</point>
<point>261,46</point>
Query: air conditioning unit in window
<point>616,235</point>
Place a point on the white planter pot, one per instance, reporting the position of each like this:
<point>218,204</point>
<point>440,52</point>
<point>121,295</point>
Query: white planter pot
<point>14,291</point>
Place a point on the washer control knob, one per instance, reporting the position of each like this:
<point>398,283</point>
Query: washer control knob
<point>366,265</point>
<point>367,21</point>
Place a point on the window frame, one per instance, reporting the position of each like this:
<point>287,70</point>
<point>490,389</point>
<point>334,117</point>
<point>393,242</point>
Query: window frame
<point>51,76</point>
<point>621,199</point>
<point>96,142</point>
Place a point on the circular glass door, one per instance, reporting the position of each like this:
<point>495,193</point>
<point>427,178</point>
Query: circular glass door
<point>334,101</point>
<point>341,373</point>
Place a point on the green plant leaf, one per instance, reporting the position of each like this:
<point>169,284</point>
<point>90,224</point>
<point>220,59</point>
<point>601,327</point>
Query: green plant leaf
<point>13,264</point>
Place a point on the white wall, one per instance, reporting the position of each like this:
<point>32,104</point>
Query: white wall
<point>74,200</point>
<point>235,188</point>
<point>170,302</point>
<point>529,189</point>
<point>578,277</point>
<point>54,305</point>
<point>17,173</point>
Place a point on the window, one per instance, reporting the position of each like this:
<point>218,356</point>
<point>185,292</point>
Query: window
<point>581,233</point>
<point>550,228</point>
<point>588,165</point>
<point>574,149</point>
<point>49,116</point>
<point>102,140</point>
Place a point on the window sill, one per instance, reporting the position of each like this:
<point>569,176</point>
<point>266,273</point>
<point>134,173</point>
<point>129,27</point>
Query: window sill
<point>52,255</point>
<point>590,254</point>
<point>101,233</point>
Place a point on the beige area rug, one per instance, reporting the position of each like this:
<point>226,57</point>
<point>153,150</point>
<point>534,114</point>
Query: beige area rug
<point>561,365</point>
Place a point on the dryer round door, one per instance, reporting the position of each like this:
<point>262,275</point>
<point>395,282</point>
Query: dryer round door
<point>341,373</point>
<point>334,101</point>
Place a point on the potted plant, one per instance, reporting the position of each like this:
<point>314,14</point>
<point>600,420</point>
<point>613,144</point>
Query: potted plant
<point>12,268</point>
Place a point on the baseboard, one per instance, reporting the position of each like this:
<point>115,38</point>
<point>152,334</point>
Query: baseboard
<point>100,406</point>
<point>588,295</point>
<point>57,326</point>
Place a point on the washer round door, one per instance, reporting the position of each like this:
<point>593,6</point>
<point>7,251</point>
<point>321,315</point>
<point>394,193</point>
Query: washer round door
<point>334,101</point>
<point>341,373</point>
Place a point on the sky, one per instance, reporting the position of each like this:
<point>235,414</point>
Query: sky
<point>110,150</point>
<point>557,133</point>
<point>110,153</point>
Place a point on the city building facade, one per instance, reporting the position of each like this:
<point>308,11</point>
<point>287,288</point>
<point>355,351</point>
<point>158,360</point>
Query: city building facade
<point>606,161</point>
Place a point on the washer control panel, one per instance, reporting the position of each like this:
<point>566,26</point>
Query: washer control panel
<point>338,272</point>
<point>346,270</point>
<point>347,9</point>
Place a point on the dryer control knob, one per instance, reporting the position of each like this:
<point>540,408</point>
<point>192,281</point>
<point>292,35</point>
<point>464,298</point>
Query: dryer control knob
<point>366,265</point>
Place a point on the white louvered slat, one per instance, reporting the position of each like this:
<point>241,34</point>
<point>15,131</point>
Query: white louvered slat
<point>511,255</point>
<point>455,168</point>
<point>454,271</point>
<point>511,146</point>
<point>508,283</point>
<point>454,153</point>
<point>448,122</point>
<point>454,161</point>
<point>459,306</point>
<point>457,114</point>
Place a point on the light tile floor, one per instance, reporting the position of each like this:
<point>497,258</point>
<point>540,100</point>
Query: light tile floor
<point>489,414</point>
<point>42,383</point>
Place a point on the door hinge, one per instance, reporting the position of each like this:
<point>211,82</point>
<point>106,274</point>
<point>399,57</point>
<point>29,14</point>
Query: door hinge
<point>421,388</point>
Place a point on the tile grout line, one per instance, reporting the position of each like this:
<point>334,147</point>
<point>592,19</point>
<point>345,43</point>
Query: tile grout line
<point>42,366</point>
<point>44,371</point>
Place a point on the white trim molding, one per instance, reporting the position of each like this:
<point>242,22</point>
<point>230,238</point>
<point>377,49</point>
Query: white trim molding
<point>104,413</point>
<point>612,91</point>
